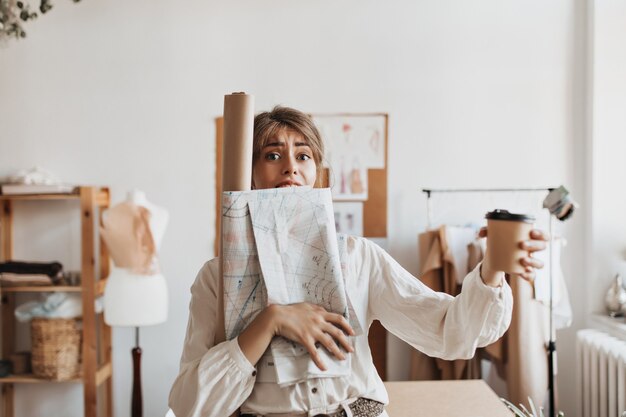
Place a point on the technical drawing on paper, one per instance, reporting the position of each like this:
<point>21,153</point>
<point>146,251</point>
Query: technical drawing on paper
<point>280,247</point>
<point>244,292</point>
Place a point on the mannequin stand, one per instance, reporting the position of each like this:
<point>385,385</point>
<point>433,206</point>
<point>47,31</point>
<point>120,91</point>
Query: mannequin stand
<point>137,401</point>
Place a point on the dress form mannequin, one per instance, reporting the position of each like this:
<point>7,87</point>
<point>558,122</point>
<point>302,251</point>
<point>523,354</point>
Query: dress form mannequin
<point>135,294</point>
<point>132,299</point>
<point>159,217</point>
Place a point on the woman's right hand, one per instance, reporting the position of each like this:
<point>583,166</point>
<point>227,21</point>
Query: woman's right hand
<point>310,324</point>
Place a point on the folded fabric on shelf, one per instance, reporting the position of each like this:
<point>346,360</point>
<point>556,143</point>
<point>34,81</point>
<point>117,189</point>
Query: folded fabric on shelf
<point>52,269</point>
<point>59,305</point>
<point>9,279</point>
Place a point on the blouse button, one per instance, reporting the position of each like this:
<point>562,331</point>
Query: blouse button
<point>253,373</point>
<point>314,390</point>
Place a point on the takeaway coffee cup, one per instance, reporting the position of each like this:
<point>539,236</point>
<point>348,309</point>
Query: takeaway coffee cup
<point>505,232</point>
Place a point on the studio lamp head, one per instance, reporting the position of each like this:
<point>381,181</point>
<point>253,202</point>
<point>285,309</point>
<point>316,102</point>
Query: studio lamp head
<point>560,204</point>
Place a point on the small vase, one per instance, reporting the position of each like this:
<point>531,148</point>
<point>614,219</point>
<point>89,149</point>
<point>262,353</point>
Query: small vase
<point>615,299</point>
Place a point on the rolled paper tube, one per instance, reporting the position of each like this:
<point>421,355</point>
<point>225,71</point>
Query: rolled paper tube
<point>238,130</point>
<point>236,169</point>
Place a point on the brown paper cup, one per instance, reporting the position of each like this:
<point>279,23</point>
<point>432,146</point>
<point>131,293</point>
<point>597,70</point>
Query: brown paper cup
<point>505,232</point>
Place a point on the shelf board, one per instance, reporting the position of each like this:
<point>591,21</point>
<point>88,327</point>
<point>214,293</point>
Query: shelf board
<point>31,379</point>
<point>43,288</point>
<point>102,196</point>
<point>53,196</point>
<point>100,285</point>
<point>102,374</point>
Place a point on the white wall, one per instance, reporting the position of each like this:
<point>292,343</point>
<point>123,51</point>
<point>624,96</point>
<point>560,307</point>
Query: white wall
<point>609,147</point>
<point>480,94</point>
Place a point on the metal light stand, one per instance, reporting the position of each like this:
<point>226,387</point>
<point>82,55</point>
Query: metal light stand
<point>552,340</point>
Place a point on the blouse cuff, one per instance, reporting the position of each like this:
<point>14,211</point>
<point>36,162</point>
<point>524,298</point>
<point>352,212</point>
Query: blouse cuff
<point>498,302</point>
<point>493,293</point>
<point>239,358</point>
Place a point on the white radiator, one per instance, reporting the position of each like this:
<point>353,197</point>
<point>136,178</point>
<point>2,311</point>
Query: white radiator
<point>601,374</point>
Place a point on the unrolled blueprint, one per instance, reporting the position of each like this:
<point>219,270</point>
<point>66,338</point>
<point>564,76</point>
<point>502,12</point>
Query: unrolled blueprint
<point>280,247</point>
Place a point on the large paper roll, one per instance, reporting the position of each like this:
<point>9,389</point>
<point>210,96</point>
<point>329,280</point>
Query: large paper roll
<point>236,169</point>
<point>238,130</point>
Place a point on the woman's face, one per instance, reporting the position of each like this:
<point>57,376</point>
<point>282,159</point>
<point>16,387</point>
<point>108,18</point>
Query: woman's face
<point>285,161</point>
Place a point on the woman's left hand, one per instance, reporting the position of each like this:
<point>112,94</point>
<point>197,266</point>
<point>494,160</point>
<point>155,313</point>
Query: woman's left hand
<point>536,242</point>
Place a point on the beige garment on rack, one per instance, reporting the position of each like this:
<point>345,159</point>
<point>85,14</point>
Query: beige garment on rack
<point>437,270</point>
<point>521,361</point>
<point>127,235</point>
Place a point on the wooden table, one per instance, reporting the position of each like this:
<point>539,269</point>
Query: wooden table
<point>470,398</point>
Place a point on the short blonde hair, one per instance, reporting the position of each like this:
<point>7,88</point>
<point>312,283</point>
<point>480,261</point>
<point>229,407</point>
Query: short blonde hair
<point>268,124</point>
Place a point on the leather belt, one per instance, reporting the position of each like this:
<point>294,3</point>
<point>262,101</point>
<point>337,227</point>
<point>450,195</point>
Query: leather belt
<point>362,407</point>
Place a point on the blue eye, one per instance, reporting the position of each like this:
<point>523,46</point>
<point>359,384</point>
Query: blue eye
<point>272,156</point>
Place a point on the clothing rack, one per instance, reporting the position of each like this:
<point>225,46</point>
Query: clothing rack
<point>551,347</point>
<point>429,191</point>
<point>475,190</point>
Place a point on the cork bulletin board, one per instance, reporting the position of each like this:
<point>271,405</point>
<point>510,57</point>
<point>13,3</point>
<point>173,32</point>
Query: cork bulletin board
<point>355,165</point>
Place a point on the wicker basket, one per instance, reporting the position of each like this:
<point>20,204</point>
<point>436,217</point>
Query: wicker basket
<point>55,348</point>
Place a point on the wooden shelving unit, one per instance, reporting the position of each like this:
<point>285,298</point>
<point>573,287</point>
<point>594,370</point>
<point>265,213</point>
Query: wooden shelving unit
<point>96,374</point>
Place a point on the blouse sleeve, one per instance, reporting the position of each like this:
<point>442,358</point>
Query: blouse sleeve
<point>214,380</point>
<point>436,323</point>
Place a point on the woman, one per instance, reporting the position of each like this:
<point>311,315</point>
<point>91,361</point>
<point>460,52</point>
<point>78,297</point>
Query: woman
<point>216,380</point>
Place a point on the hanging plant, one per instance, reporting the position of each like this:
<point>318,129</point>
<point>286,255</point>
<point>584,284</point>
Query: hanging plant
<point>14,13</point>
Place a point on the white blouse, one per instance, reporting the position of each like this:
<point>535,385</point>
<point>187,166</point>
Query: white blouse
<point>215,380</point>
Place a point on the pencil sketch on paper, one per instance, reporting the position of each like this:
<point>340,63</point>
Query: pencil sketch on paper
<point>349,217</point>
<point>355,144</point>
